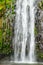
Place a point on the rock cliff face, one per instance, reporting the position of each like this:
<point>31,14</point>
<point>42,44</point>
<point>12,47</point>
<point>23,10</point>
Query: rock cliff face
<point>39,36</point>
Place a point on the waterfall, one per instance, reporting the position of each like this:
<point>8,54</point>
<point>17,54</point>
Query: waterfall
<point>21,40</point>
<point>32,25</point>
<point>24,25</point>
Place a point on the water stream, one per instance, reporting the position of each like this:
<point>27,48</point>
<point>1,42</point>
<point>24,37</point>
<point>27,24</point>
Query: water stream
<point>24,41</point>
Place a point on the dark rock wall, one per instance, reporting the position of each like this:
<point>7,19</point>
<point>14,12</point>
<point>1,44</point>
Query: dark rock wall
<point>39,36</point>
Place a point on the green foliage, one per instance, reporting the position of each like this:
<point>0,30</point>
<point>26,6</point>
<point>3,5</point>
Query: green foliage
<point>6,31</point>
<point>13,8</point>
<point>0,33</point>
<point>5,41</point>
<point>13,1</point>
<point>40,4</point>
<point>2,1</point>
<point>36,31</point>
<point>40,55</point>
<point>0,39</point>
<point>6,48</point>
<point>4,4</point>
<point>39,52</point>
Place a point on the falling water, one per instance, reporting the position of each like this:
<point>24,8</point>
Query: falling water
<point>21,31</point>
<point>24,25</point>
<point>32,23</point>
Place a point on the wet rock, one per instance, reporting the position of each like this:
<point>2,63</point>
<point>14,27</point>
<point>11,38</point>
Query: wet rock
<point>39,37</point>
